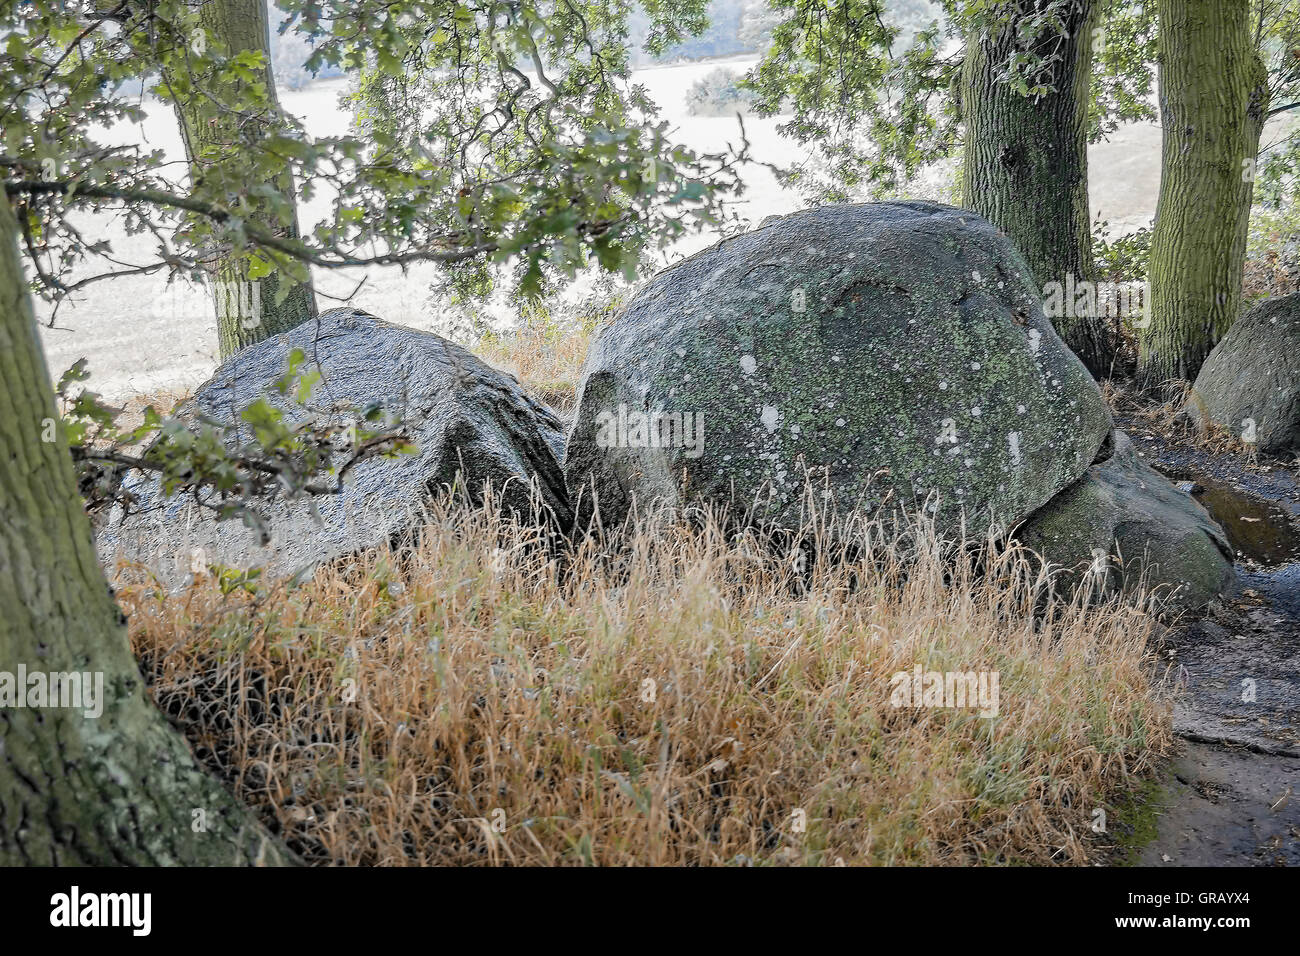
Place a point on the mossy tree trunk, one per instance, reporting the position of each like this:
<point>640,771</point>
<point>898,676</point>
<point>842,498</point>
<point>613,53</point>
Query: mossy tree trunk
<point>248,310</point>
<point>1213,102</point>
<point>1026,158</point>
<point>120,787</point>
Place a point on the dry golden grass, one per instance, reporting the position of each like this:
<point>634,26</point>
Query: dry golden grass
<point>547,354</point>
<point>163,402</point>
<point>679,696</point>
<point>1165,412</point>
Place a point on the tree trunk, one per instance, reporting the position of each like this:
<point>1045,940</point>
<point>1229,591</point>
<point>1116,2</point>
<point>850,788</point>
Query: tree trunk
<point>1213,102</point>
<point>115,787</point>
<point>247,310</point>
<point>1026,159</point>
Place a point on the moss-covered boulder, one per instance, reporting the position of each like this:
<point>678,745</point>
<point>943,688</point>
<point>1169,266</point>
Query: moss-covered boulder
<point>1124,524</point>
<point>1250,383</point>
<point>888,349</point>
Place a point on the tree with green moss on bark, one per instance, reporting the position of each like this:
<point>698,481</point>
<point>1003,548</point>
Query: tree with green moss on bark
<point>221,110</point>
<point>1215,91</point>
<point>1017,89</point>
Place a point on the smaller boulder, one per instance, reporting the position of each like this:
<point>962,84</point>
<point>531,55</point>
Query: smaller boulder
<point>1123,523</point>
<point>1250,383</point>
<point>465,419</point>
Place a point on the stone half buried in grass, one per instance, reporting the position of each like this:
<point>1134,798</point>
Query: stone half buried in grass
<point>879,351</point>
<point>462,416</point>
<point>1123,523</point>
<point>1250,383</point>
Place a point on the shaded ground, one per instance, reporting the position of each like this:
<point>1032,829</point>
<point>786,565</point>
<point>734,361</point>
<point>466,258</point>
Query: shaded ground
<point>1231,797</point>
<point>1224,806</point>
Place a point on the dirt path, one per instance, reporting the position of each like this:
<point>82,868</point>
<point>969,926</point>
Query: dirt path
<point>1225,806</point>
<point>1232,797</point>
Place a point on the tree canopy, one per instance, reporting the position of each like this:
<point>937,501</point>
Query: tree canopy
<point>535,147</point>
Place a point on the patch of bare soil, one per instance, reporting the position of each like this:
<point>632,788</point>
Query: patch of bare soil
<point>1225,806</point>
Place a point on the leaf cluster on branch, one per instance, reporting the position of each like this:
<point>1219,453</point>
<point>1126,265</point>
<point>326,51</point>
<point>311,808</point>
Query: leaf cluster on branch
<point>490,132</point>
<point>234,469</point>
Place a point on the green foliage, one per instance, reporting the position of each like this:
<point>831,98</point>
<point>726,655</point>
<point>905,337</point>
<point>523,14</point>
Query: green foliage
<point>1277,35</point>
<point>528,143</point>
<point>869,115</point>
<point>875,117</point>
<point>1273,243</point>
<point>877,110</point>
<point>1273,247</point>
<point>1124,59</point>
<point>231,580</point>
<point>1122,259</point>
<point>714,32</point>
<point>534,121</point>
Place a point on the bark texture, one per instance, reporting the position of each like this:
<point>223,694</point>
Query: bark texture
<point>1026,162</point>
<point>247,310</point>
<point>121,787</point>
<point>1213,102</point>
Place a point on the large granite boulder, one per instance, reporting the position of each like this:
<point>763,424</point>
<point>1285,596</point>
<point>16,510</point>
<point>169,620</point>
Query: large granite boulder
<point>1250,383</point>
<point>890,351</point>
<point>1123,524</point>
<point>462,415</point>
